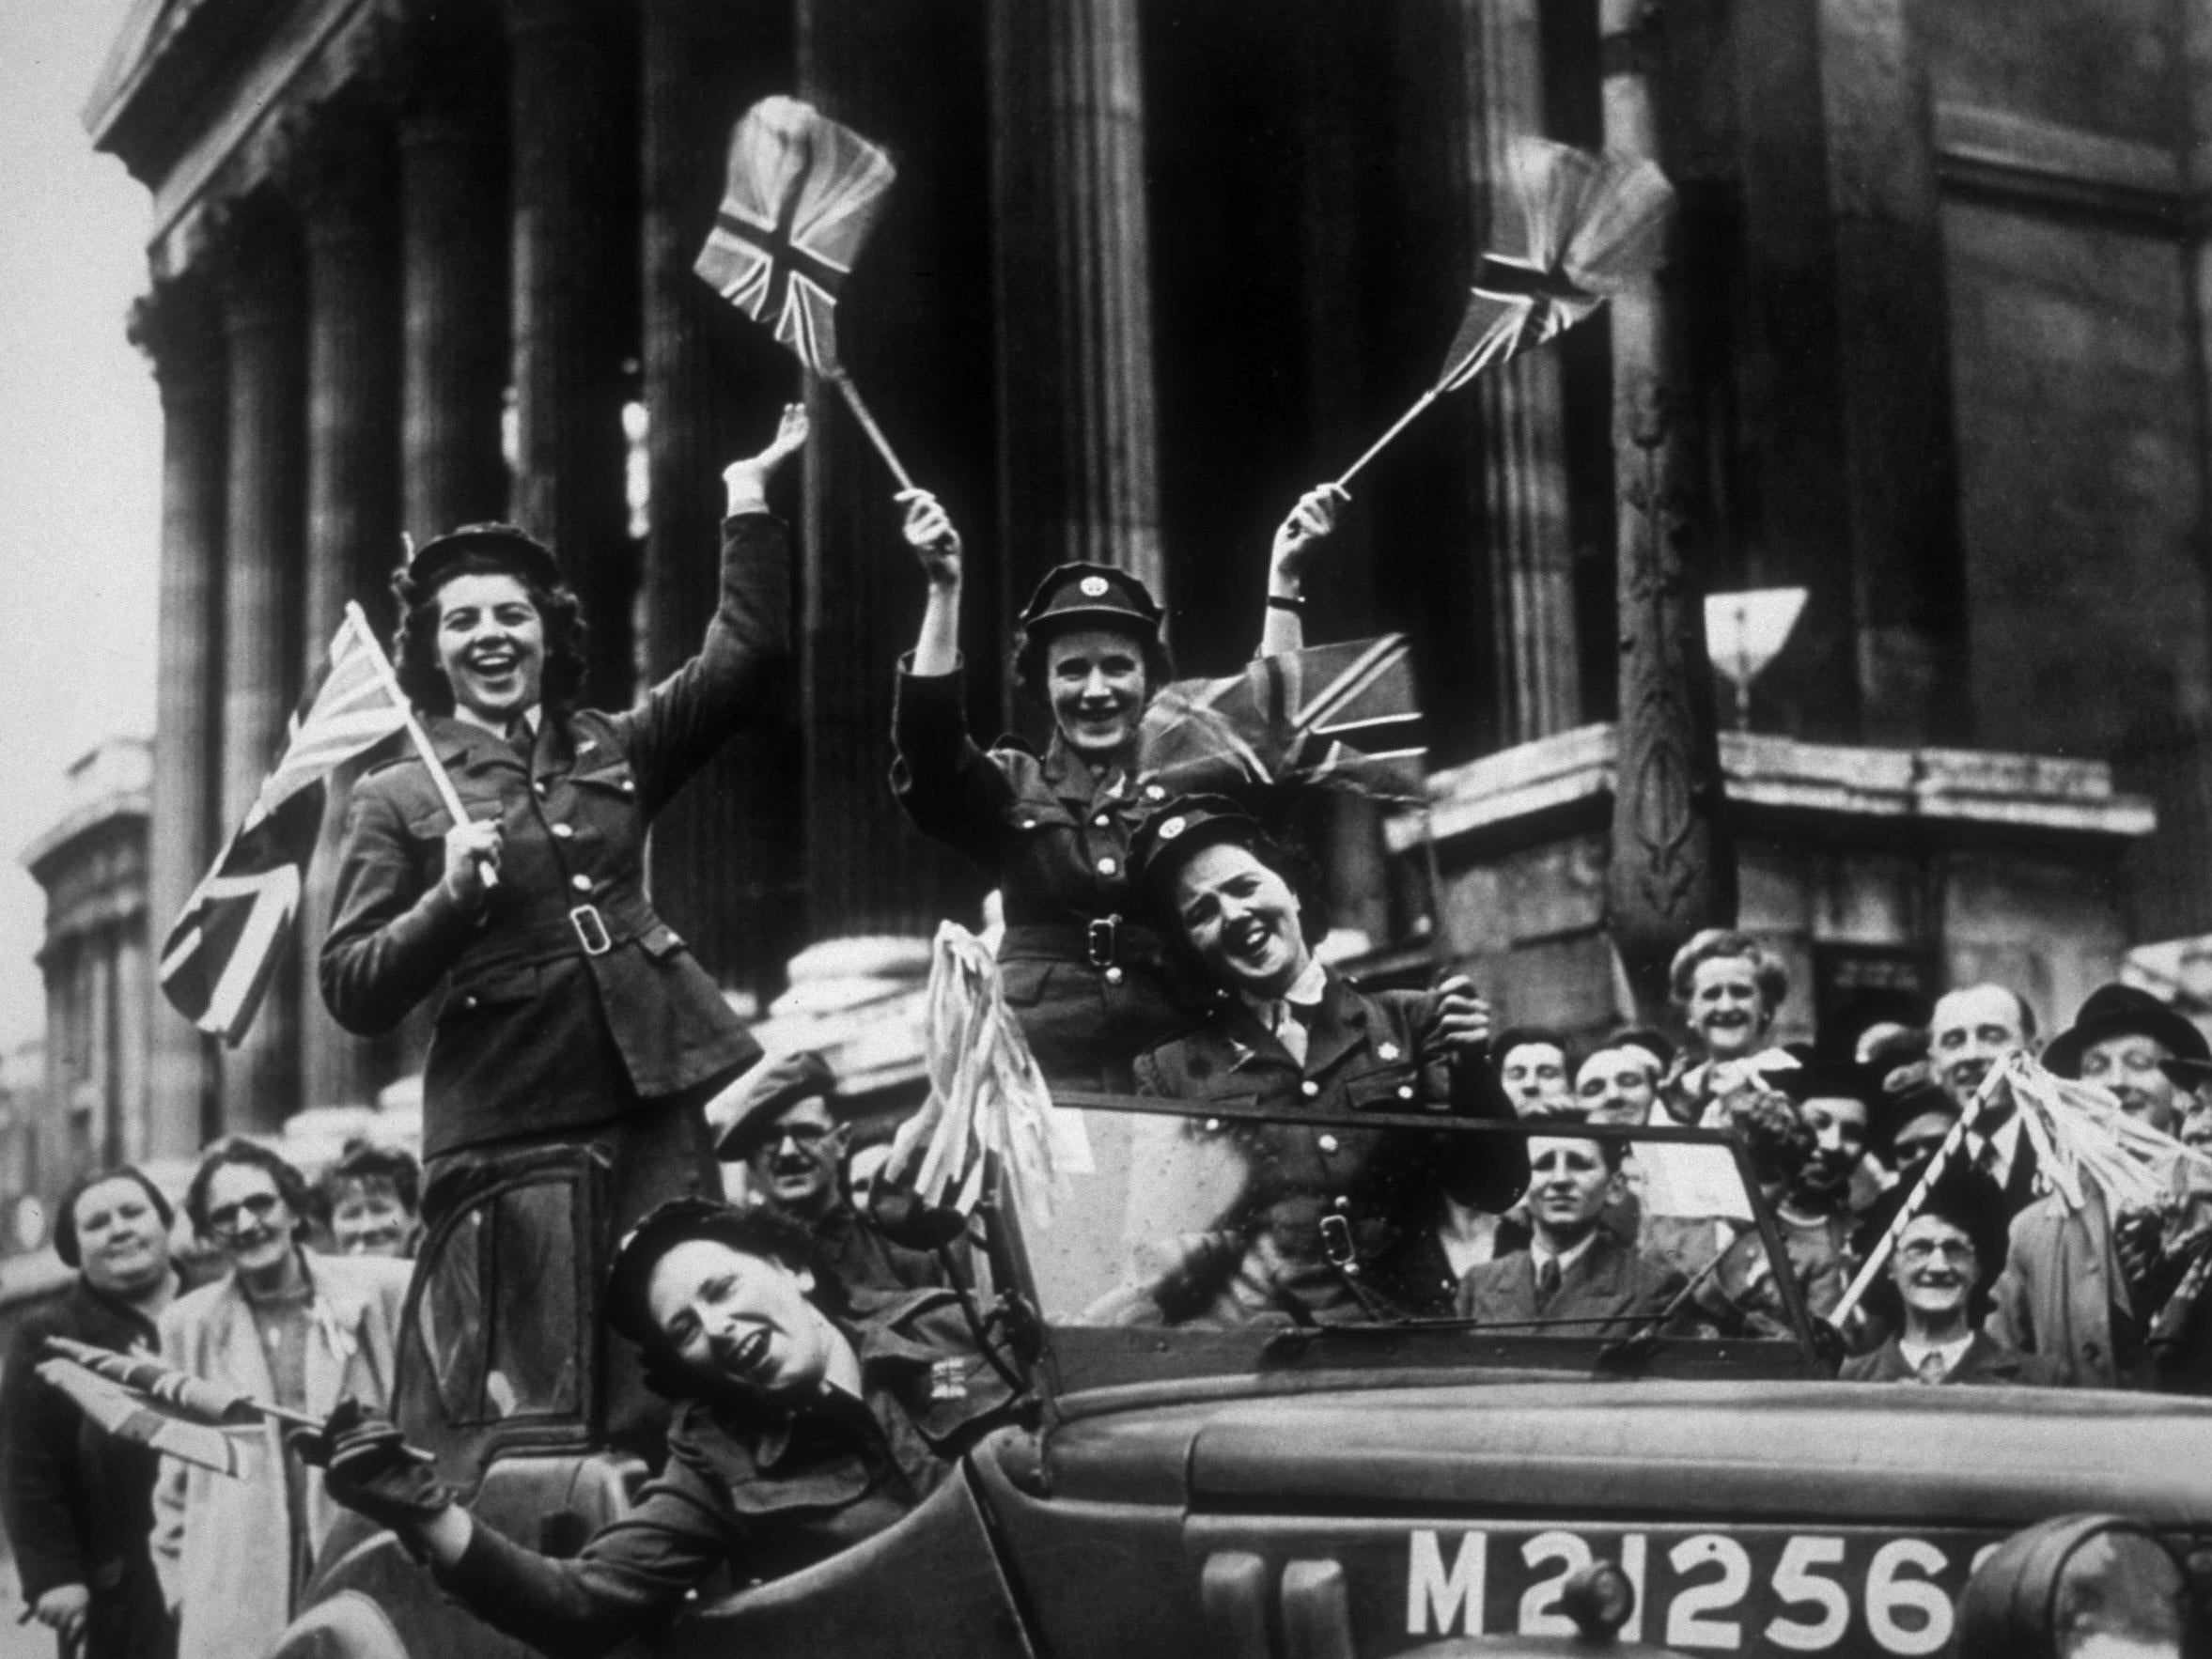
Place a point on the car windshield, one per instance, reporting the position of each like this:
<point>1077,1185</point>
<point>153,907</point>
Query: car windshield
<point>1223,1243</point>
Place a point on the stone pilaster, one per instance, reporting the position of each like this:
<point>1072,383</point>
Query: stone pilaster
<point>179,327</point>
<point>1073,282</point>
<point>1524,483</point>
<point>263,318</point>
<point>725,853</point>
<point>1672,867</point>
<point>344,179</point>
<point>572,126</point>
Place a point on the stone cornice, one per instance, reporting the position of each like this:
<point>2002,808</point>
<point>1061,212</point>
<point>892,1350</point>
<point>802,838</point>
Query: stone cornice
<point>1973,791</point>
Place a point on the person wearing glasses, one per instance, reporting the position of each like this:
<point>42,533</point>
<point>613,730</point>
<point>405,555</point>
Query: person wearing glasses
<point>779,1120</point>
<point>288,1327</point>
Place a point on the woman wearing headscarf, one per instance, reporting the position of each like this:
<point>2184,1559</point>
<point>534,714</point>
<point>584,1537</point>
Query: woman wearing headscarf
<point>568,1012</point>
<point>1088,979</point>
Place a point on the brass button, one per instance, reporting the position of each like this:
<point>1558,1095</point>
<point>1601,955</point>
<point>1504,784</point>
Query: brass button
<point>581,882</point>
<point>1405,1090</point>
<point>1309,1088</point>
<point>1154,792</point>
<point>1108,866</point>
<point>1104,820</point>
<point>1212,1123</point>
<point>539,786</point>
<point>1386,1050</point>
<point>562,832</point>
<point>1326,1142</point>
<point>1114,976</point>
<point>628,787</point>
<point>1029,823</point>
<point>1342,1203</point>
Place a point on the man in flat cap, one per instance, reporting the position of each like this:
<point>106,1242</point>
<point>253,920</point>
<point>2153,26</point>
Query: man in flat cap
<point>779,1120</point>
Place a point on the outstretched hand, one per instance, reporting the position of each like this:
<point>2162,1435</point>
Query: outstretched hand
<point>1313,519</point>
<point>370,1467</point>
<point>929,531</point>
<point>746,481</point>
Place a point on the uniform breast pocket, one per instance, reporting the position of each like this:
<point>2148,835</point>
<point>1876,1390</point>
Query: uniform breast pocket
<point>1026,820</point>
<point>479,999</point>
<point>1390,1088</point>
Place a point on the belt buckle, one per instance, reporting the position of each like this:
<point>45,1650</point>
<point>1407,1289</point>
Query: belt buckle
<point>591,930</point>
<point>1102,941</point>
<point>1336,1243</point>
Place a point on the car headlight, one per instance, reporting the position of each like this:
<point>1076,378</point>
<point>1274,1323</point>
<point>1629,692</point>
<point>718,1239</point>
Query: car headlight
<point>2082,1587</point>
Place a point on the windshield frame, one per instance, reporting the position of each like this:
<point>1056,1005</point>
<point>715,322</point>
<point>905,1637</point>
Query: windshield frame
<point>1077,1377</point>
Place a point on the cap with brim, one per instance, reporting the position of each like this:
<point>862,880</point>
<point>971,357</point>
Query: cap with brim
<point>741,1115</point>
<point>755,1232</point>
<point>1090,596</point>
<point>1962,1194</point>
<point>1169,837</point>
<point>513,547</point>
<point>2188,1074</point>
<point>2123,1011</point>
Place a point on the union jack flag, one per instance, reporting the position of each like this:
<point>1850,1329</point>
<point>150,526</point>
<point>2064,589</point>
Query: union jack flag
<point>802,194</point>
<point>218,959</point>
<point>1334,716</point>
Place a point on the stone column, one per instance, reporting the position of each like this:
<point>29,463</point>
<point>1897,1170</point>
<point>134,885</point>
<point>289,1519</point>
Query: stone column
<point>725,853</point>
<point>1672,867</point>
<point>452,237</point>
<point>344,179</point>
<point>262,317</point>
<point>1524,485</point>
<point>918,354</point>
<point>179,327</point>
<point>1072,279</point>
<point>573,140</point>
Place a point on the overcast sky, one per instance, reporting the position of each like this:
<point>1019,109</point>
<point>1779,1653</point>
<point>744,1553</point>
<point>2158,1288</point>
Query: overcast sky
<point>80,453</point>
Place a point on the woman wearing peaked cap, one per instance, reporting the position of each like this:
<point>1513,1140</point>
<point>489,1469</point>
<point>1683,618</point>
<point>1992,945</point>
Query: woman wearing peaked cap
<point>1340,1222</point>
<point>568,1012</point>
<point>1088,979</point>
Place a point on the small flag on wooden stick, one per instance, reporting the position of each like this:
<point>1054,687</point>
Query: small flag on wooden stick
<point>802,195</point>
<point>1596,225</point>
<point>149,1404</point>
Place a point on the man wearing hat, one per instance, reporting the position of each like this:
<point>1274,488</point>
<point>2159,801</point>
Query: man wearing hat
<point>568,1012</point>
<point>1087,976</point>
<point>1934,1292</point>
<point>1332,1220</point>
<point>807,1417</point>
<point>2065,1292</point>
<point>780,1121</point>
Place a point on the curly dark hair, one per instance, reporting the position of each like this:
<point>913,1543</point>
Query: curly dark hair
<point>1279,853</point>
<point>1031,645</point>
<point>291,1185</point>
<point>756,1231</point>
<point>65,1217</point>
<point>414,647</point>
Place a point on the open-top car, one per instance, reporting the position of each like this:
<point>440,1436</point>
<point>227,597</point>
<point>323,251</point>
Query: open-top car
<point>1218,1467</point>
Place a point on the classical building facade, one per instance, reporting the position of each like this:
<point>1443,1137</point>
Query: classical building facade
<point>92,1106</point>
<point>1151,268</point>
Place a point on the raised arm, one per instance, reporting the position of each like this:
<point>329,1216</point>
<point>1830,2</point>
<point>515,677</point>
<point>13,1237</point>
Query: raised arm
<point>1313,519</point>
<point>685,719</point>
<point>947,785</point>
<point>1488,1171</point>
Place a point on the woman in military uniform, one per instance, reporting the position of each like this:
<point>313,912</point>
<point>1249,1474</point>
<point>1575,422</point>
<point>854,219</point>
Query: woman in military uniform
<point>568,1011</point>
<point>1089,981</point>
<point>1330,1223</point>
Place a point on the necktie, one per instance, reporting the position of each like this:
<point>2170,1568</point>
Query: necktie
<point>521,739</point>
<point>1546,1282</point>
<point>1931,1367</point>
<point>1291,1029</point>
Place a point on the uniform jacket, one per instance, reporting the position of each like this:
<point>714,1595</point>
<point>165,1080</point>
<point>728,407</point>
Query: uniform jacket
<point>222,1545</point>
<point>1054,835</point>
<point>78,1502</point>
<point>2056,1294</point>
<point>1987,1360</point>
<point>1366,1053</point>
<point>763,1496</point>
<point>1607,1282</point>
<point>539,1028</point>
<point>864,1259</point>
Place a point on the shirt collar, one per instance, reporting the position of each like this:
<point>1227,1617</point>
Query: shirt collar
<point>1952,1353</point>
<point>1306,991</point>
<point>1540,1254</point>
<point>529,716</point>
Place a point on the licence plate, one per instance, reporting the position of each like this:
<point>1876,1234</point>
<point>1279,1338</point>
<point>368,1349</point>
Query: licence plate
<point>1847,1592</point>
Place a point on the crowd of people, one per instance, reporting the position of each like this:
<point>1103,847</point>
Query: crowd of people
<point>799,1366</point>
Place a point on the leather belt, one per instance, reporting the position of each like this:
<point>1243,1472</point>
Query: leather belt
<point>1105,941</point>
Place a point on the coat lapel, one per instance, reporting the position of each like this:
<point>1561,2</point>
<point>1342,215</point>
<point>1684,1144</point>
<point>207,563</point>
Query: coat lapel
<point>1339,1026</point>
<point>334,1336</point>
